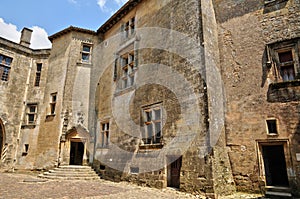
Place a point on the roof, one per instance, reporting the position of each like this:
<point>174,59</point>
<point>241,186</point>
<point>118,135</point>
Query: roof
<point>118,15</point>
<point>70,29</point>
<point>106,26</point>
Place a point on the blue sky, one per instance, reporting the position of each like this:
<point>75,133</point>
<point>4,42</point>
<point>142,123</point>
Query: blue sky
<point>50,16</point>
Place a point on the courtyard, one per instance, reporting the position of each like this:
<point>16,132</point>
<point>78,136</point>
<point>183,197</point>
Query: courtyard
<point>27,185</point>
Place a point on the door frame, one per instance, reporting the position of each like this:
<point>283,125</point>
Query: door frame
<point>77,141</point>
<point>288,161</point>
<point>170,160</point>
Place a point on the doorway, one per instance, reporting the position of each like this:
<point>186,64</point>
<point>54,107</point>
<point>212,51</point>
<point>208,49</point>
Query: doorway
<point>174,173</point>
<point>76,153</point>
<point>275,165</point>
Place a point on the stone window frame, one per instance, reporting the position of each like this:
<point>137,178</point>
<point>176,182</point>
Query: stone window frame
<point>31,113</point>
<point>53,101</point>
<point>128,28</point>
<point>38,74</point>
<point>273,51</point>
<point>273,2</point>
<point>5,67</point>
<point>268,126</point>
<point>128,67</point>
<point>105,134</point>
<point>84,52</point>
<point>148,120</point>
<point>125,71</point>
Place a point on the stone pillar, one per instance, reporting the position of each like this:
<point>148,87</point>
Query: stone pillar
<point>85,158</point>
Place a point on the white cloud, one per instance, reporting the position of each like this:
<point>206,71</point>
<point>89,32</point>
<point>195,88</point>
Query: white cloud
<point>9,31</point>
<point>101,4</point>
<point>39,39</point>
<point>120,2</point>
<point>72,1</point>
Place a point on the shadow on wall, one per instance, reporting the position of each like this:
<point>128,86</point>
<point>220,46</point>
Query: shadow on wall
<point>266,67</point>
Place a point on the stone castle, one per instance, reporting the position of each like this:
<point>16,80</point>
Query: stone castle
<point>201,95</point>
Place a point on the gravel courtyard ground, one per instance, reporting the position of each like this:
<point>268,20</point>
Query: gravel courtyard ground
<point>16,185</point>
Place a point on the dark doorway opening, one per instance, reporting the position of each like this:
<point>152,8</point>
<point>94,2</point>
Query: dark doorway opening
<point>174,173</point>
<point>275,166</point>
<point>76,153</point>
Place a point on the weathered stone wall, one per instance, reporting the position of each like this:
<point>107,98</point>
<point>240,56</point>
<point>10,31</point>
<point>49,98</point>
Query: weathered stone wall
<point>245,27</point>
<point>196,171</point>
<point>15,94</point>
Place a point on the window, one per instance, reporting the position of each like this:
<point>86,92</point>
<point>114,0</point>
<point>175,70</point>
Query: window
<point>104,135</point>
<point>286,65</point>
<point>5,63</point>
<point>134,170</point>
<point>38,74</point>
<point>86,53</point>
<point>128,69</point>
<point>129,27</point>
<point>272,126</point>
<point>53,103</point>
<point>31,113</point>
<point>152,119</point>
<point>283,58</point>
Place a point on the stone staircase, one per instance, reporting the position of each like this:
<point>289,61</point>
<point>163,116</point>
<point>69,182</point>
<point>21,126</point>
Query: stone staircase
<point>278,192</point>
<point>71,173</point>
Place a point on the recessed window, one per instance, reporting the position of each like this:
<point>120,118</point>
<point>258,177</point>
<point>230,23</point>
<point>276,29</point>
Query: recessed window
<point>134,170</point>
<point>129,27</point>
<point>31,113</point>
<point>272,126</point>
<point>283,59</point>
<point>86,53</point>
<point>152,121</point>
<point>105,134</point>
<point>53,98</point>
<point>5,63</point>
<point>38,74</point>
<point>128,69</point>
<point>286,65</point>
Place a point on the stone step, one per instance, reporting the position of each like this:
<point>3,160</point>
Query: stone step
<point>68,178</point>
<point>71,173</point>
<point>278,192</point>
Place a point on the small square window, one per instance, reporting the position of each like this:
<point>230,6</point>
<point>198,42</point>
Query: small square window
<point>272,126</point>
<point>134,170</point>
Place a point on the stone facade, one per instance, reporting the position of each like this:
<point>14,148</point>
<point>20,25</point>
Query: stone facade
<point>183,93</point>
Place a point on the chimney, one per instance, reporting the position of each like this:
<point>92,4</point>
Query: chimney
<point>25,37</point>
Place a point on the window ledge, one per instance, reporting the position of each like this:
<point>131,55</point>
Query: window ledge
<point>49,117</point>
<point>284,91</point>
<point>28,126</point>
<point>81,63</point>
<point>273,2</point>
<point>123,91</point>
<point>151,146</point>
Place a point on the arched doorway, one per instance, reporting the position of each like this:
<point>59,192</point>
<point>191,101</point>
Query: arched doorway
<point>2,137</point>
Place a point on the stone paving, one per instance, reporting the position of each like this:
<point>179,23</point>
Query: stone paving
<point>16,185</point>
